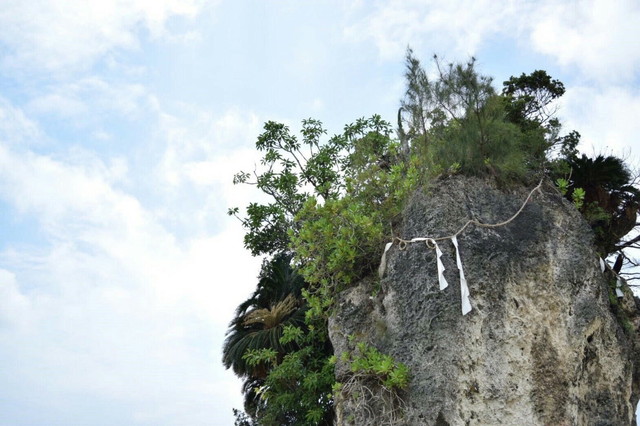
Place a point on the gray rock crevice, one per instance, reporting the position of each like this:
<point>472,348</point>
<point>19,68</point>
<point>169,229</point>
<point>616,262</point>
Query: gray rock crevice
<point>541,345</point>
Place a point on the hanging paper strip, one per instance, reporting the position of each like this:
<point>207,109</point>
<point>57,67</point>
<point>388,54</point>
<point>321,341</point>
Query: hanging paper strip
<point>619,292</point>
<point>383,261</point>
<point>602,267</point>
<point>441,279</point>
<point>464,289</point>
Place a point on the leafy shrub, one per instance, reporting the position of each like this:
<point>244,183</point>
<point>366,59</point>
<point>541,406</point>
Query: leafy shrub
<point>367,361</point>
<point>297,390</point>
<point>374,386</point>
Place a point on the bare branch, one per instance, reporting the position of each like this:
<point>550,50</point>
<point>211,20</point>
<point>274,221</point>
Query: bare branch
<point>629,243</point>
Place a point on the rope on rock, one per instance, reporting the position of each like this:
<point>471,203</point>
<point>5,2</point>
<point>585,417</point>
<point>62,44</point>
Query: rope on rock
<point>402,243</point>
<point>432,243</point>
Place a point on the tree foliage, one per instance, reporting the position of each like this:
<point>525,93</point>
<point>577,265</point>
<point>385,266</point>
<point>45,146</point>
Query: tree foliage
<point>259,324</point>
<point>338,241</point>
<point>531,98</point>
<point>293,167</point>
<point>338,200</point>
<point>298,389</point>
<point>457,121</point>
<point>609,199</point>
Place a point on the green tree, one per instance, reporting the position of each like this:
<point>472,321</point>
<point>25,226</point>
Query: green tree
<point>339,240</point>
<point>291,168</point>
<point>610,202</point>
<point>418,108</point>
<point>457,121</point>
<point>357,173</point>
<point>531,98</point>
<point>259,324</point>
<point>294,171</point>
<point>298,388</point>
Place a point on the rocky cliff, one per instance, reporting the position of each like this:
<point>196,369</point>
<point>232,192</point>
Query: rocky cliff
<point>546,342</point>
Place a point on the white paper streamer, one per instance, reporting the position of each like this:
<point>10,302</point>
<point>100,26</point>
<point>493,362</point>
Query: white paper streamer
<point>464,289</point>
<point>443,282</point>
<point>602,267</point>
<point>619,292</point>
<point>383,261</point>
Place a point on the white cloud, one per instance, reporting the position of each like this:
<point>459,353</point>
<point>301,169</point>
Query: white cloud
<point>101,135</point>
<point>59,104</point>
<point>317,105</point>
<point>606,118</point>
<point>213,151</point>
<point>76,200</point>
<point>454,27</point>
<point>91,97</point>
<point>203,153</point>
<point>14,306</point>
<point>599,37</point>
<point>117,306</point>
<point>55,191</point>
<point>15,127</point>
<point>596,36</point>
<point>112,343</point>
<point>69,34</point>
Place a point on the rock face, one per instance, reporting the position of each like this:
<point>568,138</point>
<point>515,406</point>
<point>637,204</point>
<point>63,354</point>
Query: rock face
<point>543,344</point>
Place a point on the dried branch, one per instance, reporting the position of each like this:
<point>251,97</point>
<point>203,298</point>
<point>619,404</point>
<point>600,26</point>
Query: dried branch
<point>632,242</point>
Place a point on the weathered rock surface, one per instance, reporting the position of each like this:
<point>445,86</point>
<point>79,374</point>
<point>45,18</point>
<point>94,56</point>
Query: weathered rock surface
<point>542,345</point>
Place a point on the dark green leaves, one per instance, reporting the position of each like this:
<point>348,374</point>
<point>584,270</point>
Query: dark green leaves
<point>330,202</point>
<point>366,360</point>
<point>608,198</point>
<point>531,96</point>
<point>291,169</point>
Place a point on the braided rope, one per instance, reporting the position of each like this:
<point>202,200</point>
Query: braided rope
<point>430,242</point>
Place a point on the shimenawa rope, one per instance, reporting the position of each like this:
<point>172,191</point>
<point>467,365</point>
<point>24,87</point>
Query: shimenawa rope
<point>402,243</point>
<point>432,243</point>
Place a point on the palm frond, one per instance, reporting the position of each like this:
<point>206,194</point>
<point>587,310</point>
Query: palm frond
<point>270,318</point>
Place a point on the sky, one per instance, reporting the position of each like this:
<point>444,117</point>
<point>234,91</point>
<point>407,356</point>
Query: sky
<point>123,122</point>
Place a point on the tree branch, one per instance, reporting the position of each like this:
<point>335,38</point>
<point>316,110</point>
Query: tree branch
<point>629,243</point>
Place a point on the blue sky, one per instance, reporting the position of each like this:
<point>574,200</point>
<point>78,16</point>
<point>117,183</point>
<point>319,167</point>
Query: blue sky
<point>122,124</point>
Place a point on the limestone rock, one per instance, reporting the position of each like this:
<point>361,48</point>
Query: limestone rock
<point>542,345</point>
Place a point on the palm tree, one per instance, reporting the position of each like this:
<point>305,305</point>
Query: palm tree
<point>611,200</point>
<point>259,322</point>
